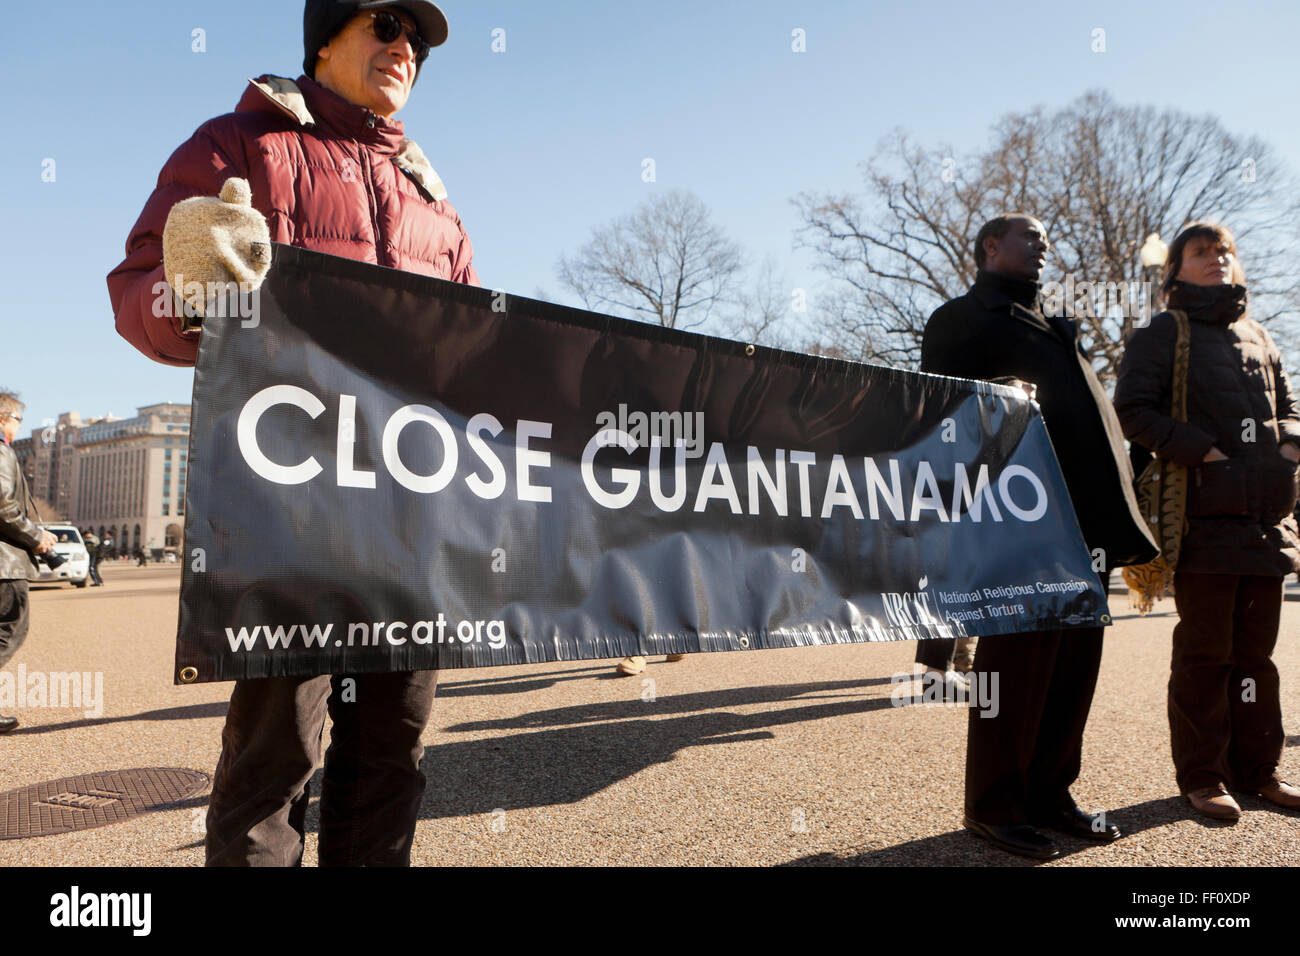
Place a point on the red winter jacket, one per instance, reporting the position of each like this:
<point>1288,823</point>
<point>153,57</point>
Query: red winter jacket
<point>328,175</point>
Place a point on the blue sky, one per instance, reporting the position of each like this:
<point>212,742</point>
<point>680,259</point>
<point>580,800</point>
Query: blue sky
<point>539,144</point>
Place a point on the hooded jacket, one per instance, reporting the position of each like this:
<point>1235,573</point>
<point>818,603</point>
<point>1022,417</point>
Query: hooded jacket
<point>1239,400</point>
<point>327,174</point>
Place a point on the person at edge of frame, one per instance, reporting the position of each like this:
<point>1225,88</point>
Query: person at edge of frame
<point>1241,444</point>
<point>21,537</point>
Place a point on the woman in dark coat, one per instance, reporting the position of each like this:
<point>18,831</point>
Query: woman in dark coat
<point>1240,444</point>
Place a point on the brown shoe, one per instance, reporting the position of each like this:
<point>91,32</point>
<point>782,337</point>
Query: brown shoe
<point>631,666</point>
<point>1214,802</point>
<point>1281,794</point>
<point>674,658</point>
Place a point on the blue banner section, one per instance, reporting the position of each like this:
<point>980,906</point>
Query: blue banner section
<point>392,472</point>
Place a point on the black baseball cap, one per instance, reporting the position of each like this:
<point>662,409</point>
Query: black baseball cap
<point>323,19</point>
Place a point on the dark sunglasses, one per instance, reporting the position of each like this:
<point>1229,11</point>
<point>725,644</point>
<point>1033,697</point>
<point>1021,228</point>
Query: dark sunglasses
<point>388,28</point>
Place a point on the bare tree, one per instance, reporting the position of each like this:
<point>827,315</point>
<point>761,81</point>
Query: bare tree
<point>1100,176</point>
<point>759,313</point>
<point>665,262</point>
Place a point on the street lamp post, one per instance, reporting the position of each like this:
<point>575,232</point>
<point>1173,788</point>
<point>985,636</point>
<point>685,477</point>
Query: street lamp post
<point>1153,254</point>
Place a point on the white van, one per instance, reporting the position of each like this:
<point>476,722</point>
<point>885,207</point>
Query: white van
<point>76,564</point>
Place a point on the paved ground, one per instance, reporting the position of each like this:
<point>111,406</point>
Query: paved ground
<point>771,757</point>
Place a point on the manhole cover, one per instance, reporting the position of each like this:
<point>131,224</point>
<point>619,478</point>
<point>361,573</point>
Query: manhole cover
<point>93,800</point>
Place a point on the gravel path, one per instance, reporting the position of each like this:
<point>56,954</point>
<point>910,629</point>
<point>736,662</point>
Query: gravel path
<point>773,757</point>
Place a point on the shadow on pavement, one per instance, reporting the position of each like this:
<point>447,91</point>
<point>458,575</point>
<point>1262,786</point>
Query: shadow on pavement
<point>669,704</point>
<point>517,684</point>
<point>103,593</point>
<point>558,766</point>
<point>960,848</point>
<point>191,712</point>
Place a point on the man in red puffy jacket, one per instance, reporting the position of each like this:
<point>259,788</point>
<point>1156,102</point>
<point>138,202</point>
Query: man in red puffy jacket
<point>324,167</point>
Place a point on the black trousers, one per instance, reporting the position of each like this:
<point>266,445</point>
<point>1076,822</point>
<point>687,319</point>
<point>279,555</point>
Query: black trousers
<point>372,784</point>
<point>1225,711</point>
<point>13,617</point>
<point>1020,764</point>
<point>936,652</point>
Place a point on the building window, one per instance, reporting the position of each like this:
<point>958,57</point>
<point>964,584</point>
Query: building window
<point>165,508</point>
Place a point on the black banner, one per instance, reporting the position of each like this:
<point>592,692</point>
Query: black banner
<point>392,472</point>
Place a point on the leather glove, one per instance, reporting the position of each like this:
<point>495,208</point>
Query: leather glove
<point>209,242</point>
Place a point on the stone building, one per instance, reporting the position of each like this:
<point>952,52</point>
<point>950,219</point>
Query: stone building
<point>124,477</point>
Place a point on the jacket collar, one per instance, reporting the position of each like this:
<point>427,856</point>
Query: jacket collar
<point>1020,300</point>
<point>311,105</point>
<point>995,291</point>
<point>1212,304</point>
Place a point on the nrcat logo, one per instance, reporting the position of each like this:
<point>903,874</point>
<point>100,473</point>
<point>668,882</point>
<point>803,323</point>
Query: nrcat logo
<point>912,613</point>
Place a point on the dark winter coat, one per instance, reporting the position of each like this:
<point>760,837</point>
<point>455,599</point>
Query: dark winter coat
<point>997,330</point>
<point>1239,400</point>
<point>328,176</point>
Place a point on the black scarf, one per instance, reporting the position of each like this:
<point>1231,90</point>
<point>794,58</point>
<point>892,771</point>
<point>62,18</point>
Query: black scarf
<point>1215,304</point>
<point>1021,291</point>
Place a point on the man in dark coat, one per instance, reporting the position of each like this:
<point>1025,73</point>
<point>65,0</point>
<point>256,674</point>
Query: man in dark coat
<point>20,537</point>
<point>1021,763</point>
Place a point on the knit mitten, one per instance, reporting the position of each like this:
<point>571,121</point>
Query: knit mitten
<point>209,242</point>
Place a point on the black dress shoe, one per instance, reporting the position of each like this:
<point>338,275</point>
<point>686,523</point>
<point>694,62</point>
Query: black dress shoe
<point>1018,838</point>
<point>1074,822</point>
<point>7,724</point>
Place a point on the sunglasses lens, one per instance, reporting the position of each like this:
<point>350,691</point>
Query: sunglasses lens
<point>387,27</point>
